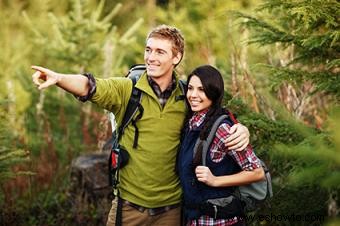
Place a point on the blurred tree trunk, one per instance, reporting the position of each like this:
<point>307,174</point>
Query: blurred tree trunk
<point>89,190</point>
<point>151,8</point>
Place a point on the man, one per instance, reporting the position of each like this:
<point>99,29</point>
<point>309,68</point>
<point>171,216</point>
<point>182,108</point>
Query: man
<point>149,188</point>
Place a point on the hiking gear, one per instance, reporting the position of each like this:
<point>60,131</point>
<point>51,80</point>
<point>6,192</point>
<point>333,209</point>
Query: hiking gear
<point>197,193</point>
<point>252,194</point>
<point>134,103</point>
<point>119,212</point>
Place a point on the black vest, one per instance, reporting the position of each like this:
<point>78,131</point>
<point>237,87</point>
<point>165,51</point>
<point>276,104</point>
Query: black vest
<point>195,192</point>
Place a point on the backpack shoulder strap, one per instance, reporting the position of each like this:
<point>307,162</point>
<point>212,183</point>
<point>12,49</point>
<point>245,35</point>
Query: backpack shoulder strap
<point>136,71</point>
<point>134,105</point>
<point>183,86</point>
<point>206,143</point>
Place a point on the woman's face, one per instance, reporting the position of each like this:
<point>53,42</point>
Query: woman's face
<point>196,96</point>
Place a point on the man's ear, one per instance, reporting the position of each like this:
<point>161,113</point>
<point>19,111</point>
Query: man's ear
<point>177,58</point>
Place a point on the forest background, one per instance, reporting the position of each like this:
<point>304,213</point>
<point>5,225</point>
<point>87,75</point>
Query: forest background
<point>280,60</point>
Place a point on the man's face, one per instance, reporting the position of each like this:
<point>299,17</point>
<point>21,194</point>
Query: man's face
<point>159,58</point>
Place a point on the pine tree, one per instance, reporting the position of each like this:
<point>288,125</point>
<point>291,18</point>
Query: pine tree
<point>306,78</point>
<point>311,30</point>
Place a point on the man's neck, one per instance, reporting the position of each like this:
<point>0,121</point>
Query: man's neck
<point>163,82</point>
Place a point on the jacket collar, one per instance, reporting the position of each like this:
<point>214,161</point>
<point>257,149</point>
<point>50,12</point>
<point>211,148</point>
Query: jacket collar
<point>143,84</point>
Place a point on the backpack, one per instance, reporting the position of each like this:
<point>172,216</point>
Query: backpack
<point>119,156</point>
<point>251,195</point>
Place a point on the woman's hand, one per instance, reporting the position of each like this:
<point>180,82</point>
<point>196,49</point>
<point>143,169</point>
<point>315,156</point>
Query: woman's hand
<point>204,175</point>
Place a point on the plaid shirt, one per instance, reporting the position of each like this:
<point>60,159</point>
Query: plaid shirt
<point>208,221</point>
<point>162,96</point>
<point>246,159</point>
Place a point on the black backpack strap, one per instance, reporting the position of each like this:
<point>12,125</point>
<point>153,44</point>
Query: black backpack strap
<point>134,103</point>
<point>119,212</point>
<point>133,106</point>
<point>183,86</point>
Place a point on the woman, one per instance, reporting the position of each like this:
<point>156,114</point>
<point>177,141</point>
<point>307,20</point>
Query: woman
<point>225,168</point>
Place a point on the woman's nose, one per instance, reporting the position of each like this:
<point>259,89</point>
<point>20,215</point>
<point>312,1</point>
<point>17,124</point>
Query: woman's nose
<point>194,93</point>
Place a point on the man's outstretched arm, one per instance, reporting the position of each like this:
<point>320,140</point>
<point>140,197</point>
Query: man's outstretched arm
<point>73,83</point>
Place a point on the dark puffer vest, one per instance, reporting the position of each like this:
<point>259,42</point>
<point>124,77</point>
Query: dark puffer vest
<point>195,192</point>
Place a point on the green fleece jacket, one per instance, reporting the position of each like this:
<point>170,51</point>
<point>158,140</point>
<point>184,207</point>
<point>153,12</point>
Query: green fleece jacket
<point>149,179</point>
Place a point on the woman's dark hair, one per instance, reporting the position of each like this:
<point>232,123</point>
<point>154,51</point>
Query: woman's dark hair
<point>213,86</point>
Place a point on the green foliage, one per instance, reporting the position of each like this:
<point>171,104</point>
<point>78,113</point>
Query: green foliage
<point>324,81</point>
<point>53,126</point>
<point>307,36</point>
<point>11,154</point>
<point>78,37</point>
<point>13,99</point>
<point>210,36</point>
<point>13,50</point>
<point>318,154</point>
<point>312,29</point>
<point>264,131</point>
<point>81,40</point>
<point>299,159</point>
<point>307,202</point>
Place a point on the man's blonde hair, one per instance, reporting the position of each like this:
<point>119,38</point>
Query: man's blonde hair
<point>170,33</point>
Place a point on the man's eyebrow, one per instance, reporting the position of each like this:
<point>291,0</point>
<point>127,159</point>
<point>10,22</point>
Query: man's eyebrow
<point>159,49</point>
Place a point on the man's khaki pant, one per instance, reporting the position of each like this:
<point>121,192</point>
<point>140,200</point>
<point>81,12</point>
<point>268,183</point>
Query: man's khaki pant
<point>133,217</point>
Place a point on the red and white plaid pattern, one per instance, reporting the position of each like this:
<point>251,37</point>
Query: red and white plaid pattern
<point>246,159</point>
<point>208,221</point>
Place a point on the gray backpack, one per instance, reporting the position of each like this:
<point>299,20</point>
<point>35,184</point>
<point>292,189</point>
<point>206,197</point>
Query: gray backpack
<point>251,195</point>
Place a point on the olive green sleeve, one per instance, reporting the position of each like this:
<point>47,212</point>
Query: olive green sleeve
<point>113,94</point>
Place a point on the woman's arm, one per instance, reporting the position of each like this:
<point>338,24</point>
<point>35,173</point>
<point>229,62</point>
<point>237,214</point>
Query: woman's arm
<point>246,159</point>
<point>204,175</point>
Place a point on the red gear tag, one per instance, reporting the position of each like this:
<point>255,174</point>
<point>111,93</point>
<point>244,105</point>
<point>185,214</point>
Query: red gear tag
<point>114,159</point>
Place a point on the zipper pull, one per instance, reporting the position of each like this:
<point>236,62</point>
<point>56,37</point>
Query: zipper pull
<point>215,209</point>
